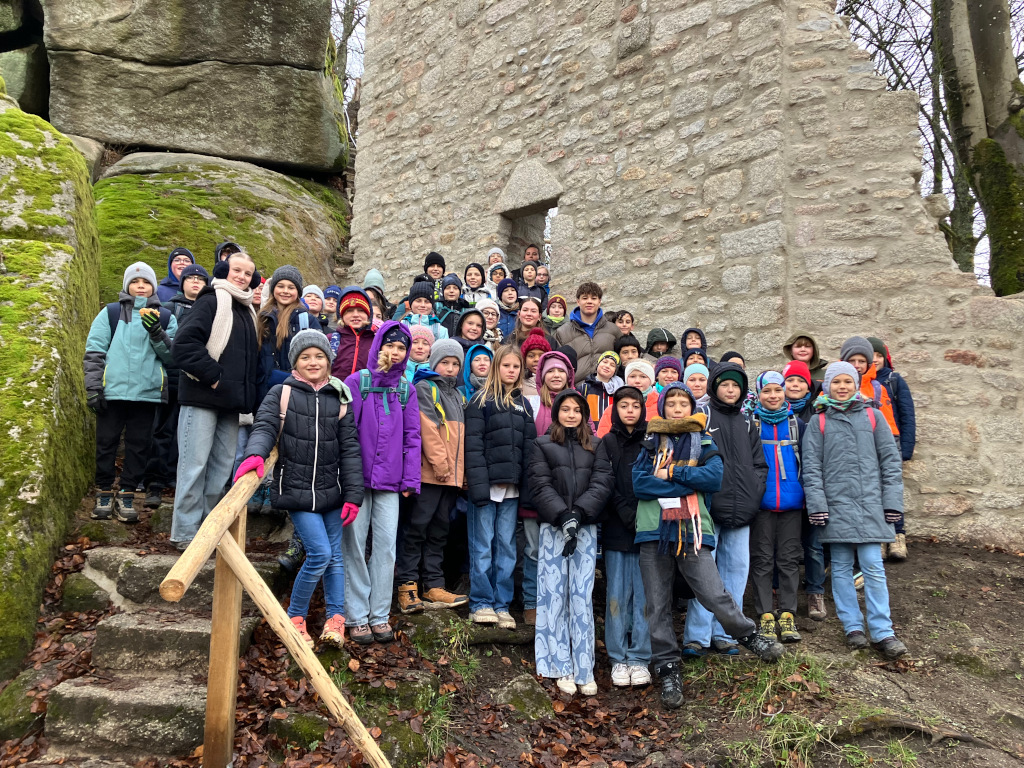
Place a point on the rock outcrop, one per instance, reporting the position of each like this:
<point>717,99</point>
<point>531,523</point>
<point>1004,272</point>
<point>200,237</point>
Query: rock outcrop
<point>26,72</point>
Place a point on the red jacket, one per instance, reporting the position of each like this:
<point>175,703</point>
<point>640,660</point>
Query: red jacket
<point>351,352</point>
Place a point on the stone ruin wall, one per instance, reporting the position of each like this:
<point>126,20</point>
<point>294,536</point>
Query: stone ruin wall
<point>734,164</point>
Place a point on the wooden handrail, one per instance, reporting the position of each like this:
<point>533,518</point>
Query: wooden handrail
<point>216,524</point>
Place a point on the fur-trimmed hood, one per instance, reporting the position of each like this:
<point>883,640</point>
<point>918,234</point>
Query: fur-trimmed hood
<point>661,426</point>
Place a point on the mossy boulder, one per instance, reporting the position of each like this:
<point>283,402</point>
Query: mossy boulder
<point>27,77</point>
<point>48,298</point>
<point>526,696</point>
<point>303,729</point>
<point>16,715</point>
<point>149,203</point>
<point>80,593</point>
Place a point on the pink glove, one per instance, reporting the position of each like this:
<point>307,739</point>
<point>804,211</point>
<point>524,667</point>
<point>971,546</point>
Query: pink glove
<point>349,512</point>
<point>248,465</point>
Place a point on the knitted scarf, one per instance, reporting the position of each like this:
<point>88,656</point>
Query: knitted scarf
<point>824,402</point>
<point>798,405</point>
<point>224,319</point>
<point>773,417</point>
<point>681,509</point>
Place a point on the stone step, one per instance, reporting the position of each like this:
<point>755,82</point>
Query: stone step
<point>153,642</point>
<point>126,718</point>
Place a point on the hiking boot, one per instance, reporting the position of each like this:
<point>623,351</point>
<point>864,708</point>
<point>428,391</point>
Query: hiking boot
<point>891,648</point>
<point>639,674</point>
<point>124,507</point>
<point>694,651</point>
<point>292,557</point>
<point>334,631</point>
<point>408,600</point>
<point>816,609</point>
<point>765,648</point>
<point>441,596</point>
<point>724,647</point>
<point>152,497</point>
<point>589,689</point>
<point>300,624</point>
<point>104,507</point>
<point>566,685</point>
<point>505,620</point>
<point>767,627</point>
<point>382,632</point>
<point>898,549</point>
<point>787,628</point>
<point>530,617</point>
<point>361,634</point>
<point>485,615</point>
<point>856,640</point>
<point>620,676</point>
<point>671,686</point>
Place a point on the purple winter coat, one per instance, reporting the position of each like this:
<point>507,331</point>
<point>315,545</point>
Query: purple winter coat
<point>390,442</point>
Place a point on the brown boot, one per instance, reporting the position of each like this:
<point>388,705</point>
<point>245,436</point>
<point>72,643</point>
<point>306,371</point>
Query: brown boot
<point>408,598</point>
<point>898,549</point>
<point>443,597</point>
<point>530,617</point>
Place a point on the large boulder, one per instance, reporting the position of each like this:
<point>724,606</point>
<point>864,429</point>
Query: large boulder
<point>292,33</point>
<point>149,203</point>
<point>48,299</point>
<point>27,74</point>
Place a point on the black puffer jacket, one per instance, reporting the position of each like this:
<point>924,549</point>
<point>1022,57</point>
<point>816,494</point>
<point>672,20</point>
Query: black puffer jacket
<point>739,443</point>
<point>619,528</point>
<point>320,465</point>
<point>498,446</point>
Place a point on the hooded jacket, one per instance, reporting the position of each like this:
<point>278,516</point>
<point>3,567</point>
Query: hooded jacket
<point>319,467</point>
<point>490,284</point>
<point>746,471</point>
<point>699,332</point>
<point>170,285</point>
<point>389,434</point>
<point>374,280</point>
<point>470,383</point>
<point>351,349</point>
<point>466,343</point>
<point>499,442</point>
<point>597,394</point>
<point>872,390</point>
<point>854,473</point>
<point>129,365</point>
<point>220,249</point>
<point>653,337</point>
<point>903,409</point>
<point>817,364</point>
<point>442,429</point>
<point>567,481</point>
<point>274,362</point>
<point>542,417</point>
<point>618,531</point>
<point>472,295</point>
<point>589,341</point>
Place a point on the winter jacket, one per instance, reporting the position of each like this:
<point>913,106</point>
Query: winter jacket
<point>656,335</point>
<point>567,481</point>
<point>429,321</point>
<point>853,472</point>
<point>533,291</point>
<point>351,350</point>
<point>467,344</point>
<point>319,466</point>
<point>618,531</point>
<point>499,442</point>
<point>274,362</point>
<point>507,320</point>
<point>129,365</point>
<point>903,409</point>
<point>470,383</point>
<point>589,341</point>
<point>783,490</point>
<point>472,295</point>
<point>448,314</point>
<point>170,286</point>
<point>597,395</point>
<point>817,364</point>
<point>746,470</point>
<point>873,391</point>
<point>442,429</point>
<point>604,426</point>
<point>389,434</point>
<point>179,307</point>
<point>237,373</point>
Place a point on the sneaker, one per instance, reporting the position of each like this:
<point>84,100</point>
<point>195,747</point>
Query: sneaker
<point>694,651</point>
<point>566,685</point>
<point>408,599</point>
<point>152,497</point>
<point>898,549</point>
<point>485,615</point>
<point>671,686</point>
<point>787,628</point>
<point>361,634</point>
<point>292,557</point>
<point>858,580</point>
<point>891,648</point>
<point>620,676</point>
<point>530,617</point>
<point>767,627</point>
<point>724,647</point>
<point>124,507</point>
<point>300,624</point>
<point>104,507</point>
<point>441,596</point>
<point>589,689</point>
<point>856,640</point>
<point>505,620</point>
<point>334,631</point>
<point>765,648</point>
<point>639,675</point>
<point>816,609</point>
<point>181,546</point>
<point>382,632</point>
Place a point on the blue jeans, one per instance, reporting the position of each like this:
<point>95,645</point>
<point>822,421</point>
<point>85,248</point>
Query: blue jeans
<point>876,591</point>
<point>732,554</point>
<point>492,554</point>
<point>626,634</point>
<point>531,532</point>
<point>321,536</point>
<point>814,559</point>
<point>369,586</point>
<point>206,451</point>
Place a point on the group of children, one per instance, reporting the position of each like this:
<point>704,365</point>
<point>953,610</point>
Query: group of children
<point>485,397</point>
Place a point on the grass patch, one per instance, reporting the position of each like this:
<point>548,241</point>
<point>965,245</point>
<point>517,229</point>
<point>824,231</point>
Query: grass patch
<point>438,725</point>
<point>456,647</point>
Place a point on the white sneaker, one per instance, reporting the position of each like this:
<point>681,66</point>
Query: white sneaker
<point>484,616</point>
<point>567,685</point>
<point>639,675</point>
<point>621,676</point>
<point>589,689</point>
<point>505,620</point>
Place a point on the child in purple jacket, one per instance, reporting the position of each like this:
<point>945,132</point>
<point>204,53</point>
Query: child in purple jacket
<point>387,418</point>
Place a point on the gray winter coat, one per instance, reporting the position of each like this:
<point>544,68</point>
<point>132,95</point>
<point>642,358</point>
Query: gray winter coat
<point>852,473</point>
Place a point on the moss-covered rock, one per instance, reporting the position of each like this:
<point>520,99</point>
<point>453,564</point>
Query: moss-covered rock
<point>104,532</point>
<point>48,297</point>
<point>303,729</point>
<point>526,696</point>
<point>80,593</point>
<point>149,203</point>
<point>16,715</point>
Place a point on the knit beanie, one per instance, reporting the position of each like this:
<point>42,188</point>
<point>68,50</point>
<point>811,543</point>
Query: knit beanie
<point>535,339</point>
<point>667,361</point>
<point>797,368</point>
<point>697,351</point>
<point>332,292</point>
<point>553,360</point>
<point>498,251</point>
<point>422,332</point>
<point>443,348</point>
<point>643,366</point>
<point>353,298</point>
<point>287,272</point>
<point>556,299</point>
<point>487,304</point>
<point>505,284</point>
<point>570,354</point>
<point>315,290</point>
<point>672,387</point>
<point>768,377</point>
<point>433,259</point>
<point>421,289</point>
<point>306,339</point>
<point>727,356</point>
<point>181,252</point>
<point>856,345</point>
<point>878,346</point>
<point>139,269</point>
<point>836,369</point>
<point>695,368</point>
<point>451,279</point>
<point>479,267</point>
<point>734,376</point>
<point>398,333</point>
<point>194,270</point>
<point>609,354</point>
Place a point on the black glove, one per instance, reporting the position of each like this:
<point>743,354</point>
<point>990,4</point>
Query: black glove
<point>892,516</point>
<point>151,323</point>
<point>818,518</point>
<point>96,401</point>
<point>570,530</point>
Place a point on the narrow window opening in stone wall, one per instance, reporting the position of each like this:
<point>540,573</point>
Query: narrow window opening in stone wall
<point>529,229</point>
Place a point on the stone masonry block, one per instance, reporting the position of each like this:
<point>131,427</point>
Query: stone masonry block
<point>754,241</point>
